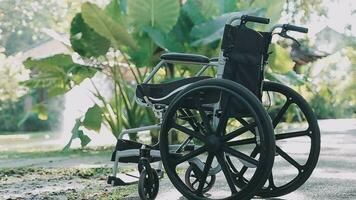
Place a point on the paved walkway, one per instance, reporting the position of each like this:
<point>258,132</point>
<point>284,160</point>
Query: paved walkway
<point>334,178</point>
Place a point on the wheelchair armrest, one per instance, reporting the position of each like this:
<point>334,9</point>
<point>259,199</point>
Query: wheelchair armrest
<point>185,58</point>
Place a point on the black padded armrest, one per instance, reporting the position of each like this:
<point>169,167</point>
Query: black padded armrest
<point>185,57</point>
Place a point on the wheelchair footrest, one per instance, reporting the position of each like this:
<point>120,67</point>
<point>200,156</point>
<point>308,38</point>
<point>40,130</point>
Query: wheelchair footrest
<point>114,181</point>
<point>126,146</point>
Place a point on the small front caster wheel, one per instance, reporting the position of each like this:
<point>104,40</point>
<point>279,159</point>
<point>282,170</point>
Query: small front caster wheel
<point>148,184</point>
<point>192,180</point>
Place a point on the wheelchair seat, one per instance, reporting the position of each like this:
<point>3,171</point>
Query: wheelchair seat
<point>185,57</point>
<point>163,93</point>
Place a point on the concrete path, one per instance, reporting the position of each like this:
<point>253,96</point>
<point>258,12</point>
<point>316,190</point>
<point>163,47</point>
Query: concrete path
<point>334,178</point>
<point>335,175</point>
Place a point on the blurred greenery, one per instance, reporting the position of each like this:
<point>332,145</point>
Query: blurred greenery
<point>116,39</point>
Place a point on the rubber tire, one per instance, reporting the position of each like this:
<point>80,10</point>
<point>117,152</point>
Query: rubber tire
<point>142,183</point>
<point>261,175</point>
<point>315,140</point>
<point>189,184</point>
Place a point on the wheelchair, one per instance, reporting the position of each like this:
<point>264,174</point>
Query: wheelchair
<point>218,139</point>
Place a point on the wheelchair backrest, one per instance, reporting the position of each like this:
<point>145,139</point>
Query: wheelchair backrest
<point>246,51</point>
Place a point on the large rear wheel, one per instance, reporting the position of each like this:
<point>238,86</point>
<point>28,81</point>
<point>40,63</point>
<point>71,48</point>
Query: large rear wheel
<point>297,139</point>
<point>207,124</point>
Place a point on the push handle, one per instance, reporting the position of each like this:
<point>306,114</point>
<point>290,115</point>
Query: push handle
<point>289,27</point>
<point>248,18</point>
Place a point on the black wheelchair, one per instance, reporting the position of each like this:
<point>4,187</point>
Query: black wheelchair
<point>220,136</point>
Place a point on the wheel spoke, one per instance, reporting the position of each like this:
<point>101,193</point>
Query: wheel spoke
<point>252,155</point>
<point>271,181</point>
<point>189,132</point>
<point>226,171</point>
<point>206,169</point>
<point>190,155</point>
<point>239,131</point>
<point>189,118</point>
<point>244,123</point>
<point>288,158</point>
<point>241,156</point>
<point>224,116</point>
<point>242,142</point>
<point>280,114</point>
<point>282,136</point>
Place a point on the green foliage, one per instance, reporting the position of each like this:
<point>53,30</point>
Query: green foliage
<point>271,9</point>
<point>226,6</point>
<point>85,41</point>
<point>280,60</point>
<point>157,14</point>
<point>77,133</point>
<point>14,117</point>
<point>115,10</point>
<point>209,31</point>
<point>41,111</point>
<point>97,19</point>
<point>57,73</point>
<point>137,31</point>
<point>93,118</point>
<point>325,105</point>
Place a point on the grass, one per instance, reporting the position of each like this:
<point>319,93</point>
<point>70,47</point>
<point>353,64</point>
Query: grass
<point>34,133</point>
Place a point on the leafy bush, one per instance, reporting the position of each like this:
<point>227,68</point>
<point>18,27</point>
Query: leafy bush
<point>121,38</point>
<point>14,118</point>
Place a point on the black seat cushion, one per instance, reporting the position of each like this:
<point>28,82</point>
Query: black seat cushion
<point>185,57</point>
<point>165,92</point>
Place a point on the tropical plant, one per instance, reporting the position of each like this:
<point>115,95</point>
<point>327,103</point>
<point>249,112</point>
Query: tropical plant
<point>129,36</point>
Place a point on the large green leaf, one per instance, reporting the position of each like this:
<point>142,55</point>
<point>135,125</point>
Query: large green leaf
<point>181,30</point>
<point>213,30</point>
<point>58,63</point>
<point>158,14</point>
<point>85,41</point>
<point>93,118</point>
<point>280,60</point>
<point>143,56</point>
<point>114,11</point>
<point>199,11</point>
<point>57,73</point>
<point>104,25</point>
<point>165,41</point>
<point>84,139</point>
<point>227,6</point>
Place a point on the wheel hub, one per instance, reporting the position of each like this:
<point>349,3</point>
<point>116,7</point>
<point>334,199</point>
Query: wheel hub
<point>214,143</point>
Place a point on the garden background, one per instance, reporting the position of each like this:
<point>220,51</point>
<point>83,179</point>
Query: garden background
<point>68,68</point>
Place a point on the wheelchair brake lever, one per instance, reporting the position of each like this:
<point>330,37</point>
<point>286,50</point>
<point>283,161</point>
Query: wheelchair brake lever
<point>284,34</point>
